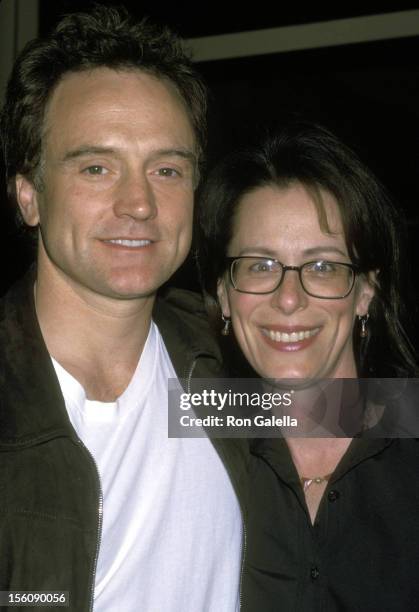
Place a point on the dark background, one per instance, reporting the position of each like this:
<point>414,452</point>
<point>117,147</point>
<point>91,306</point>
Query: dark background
<point>366,93</point>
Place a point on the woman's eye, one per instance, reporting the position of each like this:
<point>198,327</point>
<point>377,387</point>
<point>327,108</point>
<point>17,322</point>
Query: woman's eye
<point>262,266</point>
<point>322,267</point>
<point>95,170</point>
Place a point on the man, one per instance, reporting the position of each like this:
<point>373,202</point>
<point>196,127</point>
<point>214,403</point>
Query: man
<point>102,131</point>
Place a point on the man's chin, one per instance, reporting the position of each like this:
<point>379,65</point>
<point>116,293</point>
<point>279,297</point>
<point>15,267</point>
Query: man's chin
<point>131,287</point>
<point>130,293</point>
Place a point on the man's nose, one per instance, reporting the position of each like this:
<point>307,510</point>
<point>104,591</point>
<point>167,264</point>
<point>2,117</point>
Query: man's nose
<point>134,197</point>
<point>290,295</point>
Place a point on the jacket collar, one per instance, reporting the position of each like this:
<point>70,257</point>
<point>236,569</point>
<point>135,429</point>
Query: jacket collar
<point>31,404</point>
<point>182,321</point>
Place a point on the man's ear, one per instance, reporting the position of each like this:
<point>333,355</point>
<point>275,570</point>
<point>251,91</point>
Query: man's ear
<point>223,297</point>
<point>27,198</point>
<point>366,292</point>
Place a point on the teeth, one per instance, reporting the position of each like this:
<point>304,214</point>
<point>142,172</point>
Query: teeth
<point>130,243</point>
<point>277,336</point>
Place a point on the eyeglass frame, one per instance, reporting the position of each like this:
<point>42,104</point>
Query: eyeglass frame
<point>230,261</point>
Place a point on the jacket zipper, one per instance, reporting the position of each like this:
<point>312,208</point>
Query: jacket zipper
<point>242,567</point>
<point>99,525</point>
<point>244,539</point>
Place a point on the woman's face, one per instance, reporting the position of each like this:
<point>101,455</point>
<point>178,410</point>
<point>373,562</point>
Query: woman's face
<point>282,223</point>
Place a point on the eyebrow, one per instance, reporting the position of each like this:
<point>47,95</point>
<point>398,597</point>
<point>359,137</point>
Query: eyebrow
<point>184,153</point>
<point>324,249</point>
<point>312,252</point>
<point>86,150</point>
<point>264,252</point>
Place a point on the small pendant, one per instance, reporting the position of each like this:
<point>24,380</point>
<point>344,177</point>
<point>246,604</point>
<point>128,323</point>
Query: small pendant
<point>307,482</point>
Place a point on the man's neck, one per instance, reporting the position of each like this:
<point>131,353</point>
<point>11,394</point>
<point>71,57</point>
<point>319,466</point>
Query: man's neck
<point>98,340</point>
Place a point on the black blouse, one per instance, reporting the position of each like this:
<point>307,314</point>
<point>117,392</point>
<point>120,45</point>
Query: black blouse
<point>362,553</point>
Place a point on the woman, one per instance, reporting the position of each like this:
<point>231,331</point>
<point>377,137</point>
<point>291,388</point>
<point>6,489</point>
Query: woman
<point>300,249</point>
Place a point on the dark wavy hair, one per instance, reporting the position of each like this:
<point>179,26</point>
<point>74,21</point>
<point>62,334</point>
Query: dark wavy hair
<point>102,37</point>
<point>310,154</point>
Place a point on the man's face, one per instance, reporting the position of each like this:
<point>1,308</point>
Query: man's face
<point>115,213</point>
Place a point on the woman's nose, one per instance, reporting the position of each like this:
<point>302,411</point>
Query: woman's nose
<point>290,295</point>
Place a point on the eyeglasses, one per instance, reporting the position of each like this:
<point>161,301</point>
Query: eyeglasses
<point>329,280</point>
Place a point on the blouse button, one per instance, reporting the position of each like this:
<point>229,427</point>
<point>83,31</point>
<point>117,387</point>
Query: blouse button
<point>333,495</point>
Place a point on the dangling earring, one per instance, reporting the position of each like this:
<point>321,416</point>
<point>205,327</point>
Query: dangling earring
<point>226,329</point>
<point>363,320</point>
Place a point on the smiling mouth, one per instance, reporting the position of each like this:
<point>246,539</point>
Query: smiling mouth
<point>129,243</point>
<point>292,337</point>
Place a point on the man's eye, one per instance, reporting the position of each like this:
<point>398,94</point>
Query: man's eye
<point>95,170</point>
<point>168,172</point>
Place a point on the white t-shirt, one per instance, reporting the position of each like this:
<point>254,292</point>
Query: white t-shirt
<point>172,527</point>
